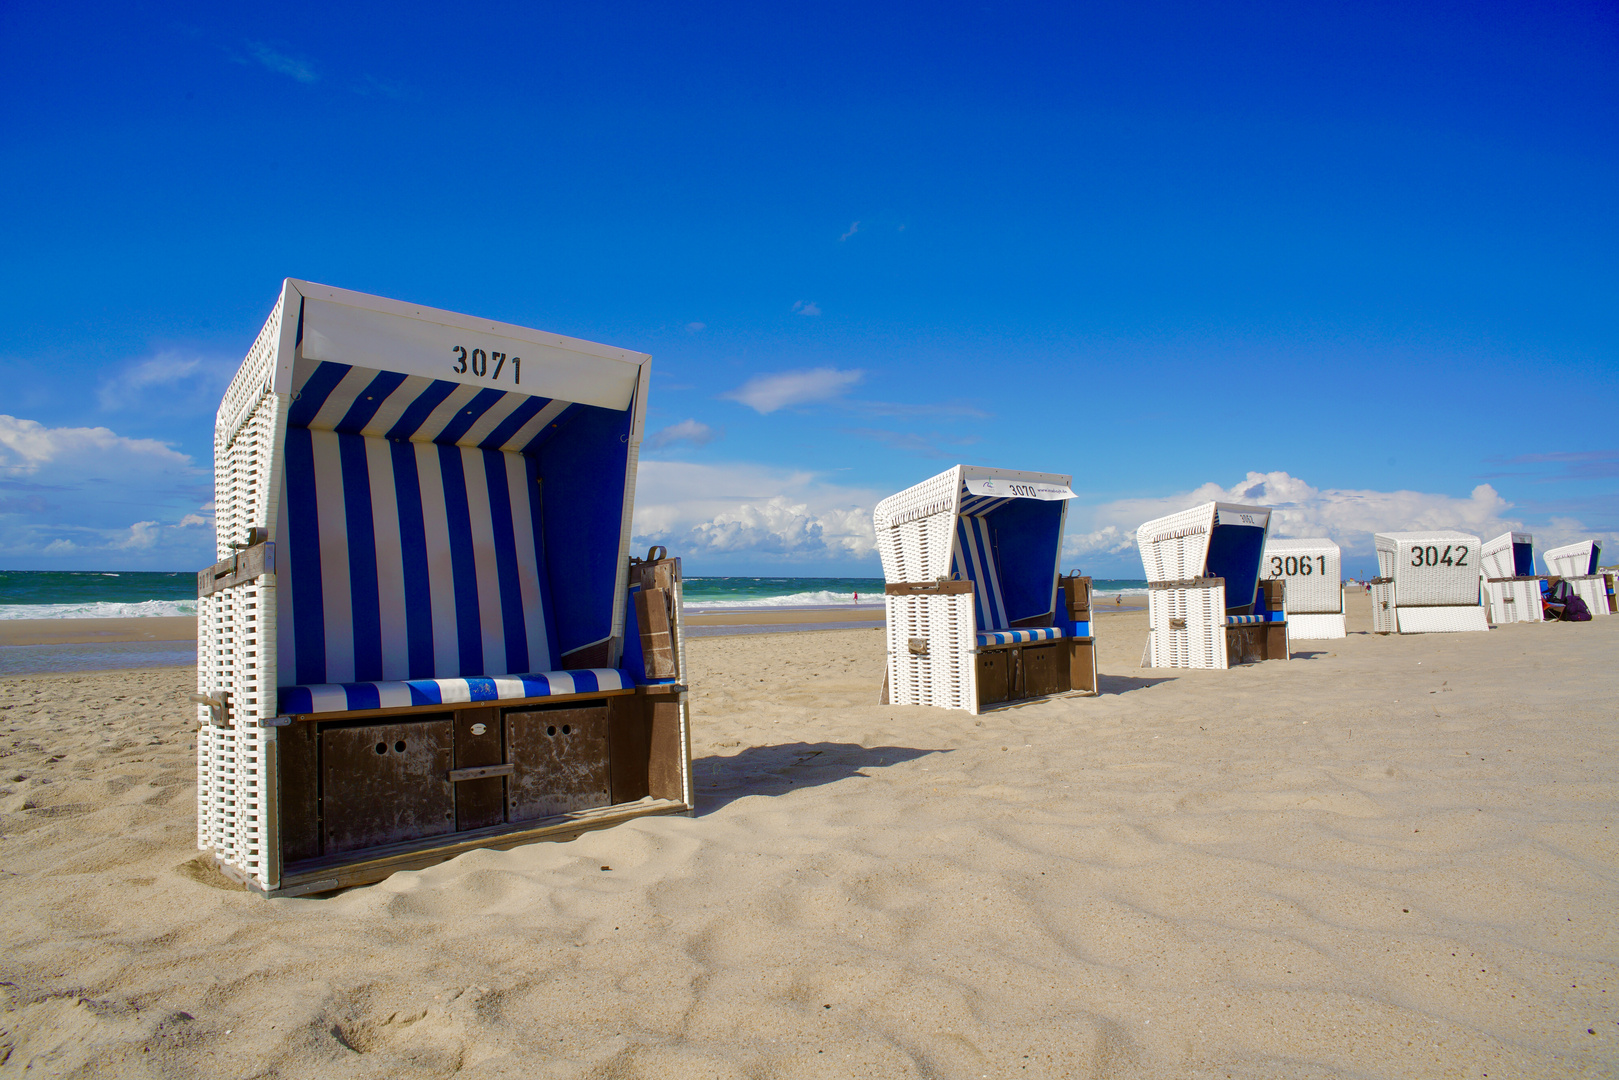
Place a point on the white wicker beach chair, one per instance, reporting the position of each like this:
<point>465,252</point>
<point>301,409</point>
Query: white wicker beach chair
<point>1312,571</point>
<point>1206,601</point>
<point>1510,582</point>
<point>1578,565</point>
<point>974,615</point>
<point>1428,583</point>
<point>425,633</point>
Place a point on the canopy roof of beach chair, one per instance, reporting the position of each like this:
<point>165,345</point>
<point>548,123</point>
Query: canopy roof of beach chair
<point>1512,554</point>
<point>999,528</point>
<point>1214,539</point>
<point>1574,560</point>
<point>451,495</point>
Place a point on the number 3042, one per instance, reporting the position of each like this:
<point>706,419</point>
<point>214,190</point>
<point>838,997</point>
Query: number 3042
<point>1453,555</point>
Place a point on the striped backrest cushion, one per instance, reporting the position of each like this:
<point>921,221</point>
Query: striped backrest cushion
<point>975,562</point>
<point>408,560</point>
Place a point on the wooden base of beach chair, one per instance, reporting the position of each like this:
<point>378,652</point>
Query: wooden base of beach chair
<point>362,795</point>
<point>1013,673</point>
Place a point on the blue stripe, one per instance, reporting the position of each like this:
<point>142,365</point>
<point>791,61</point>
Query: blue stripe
<point>364,600</point>
<point>363,695</point>
<point>585,682</point>
<point>508,428</point>
<point>425,693</point>
<point>482,689</point>
<point>481,403</point>
<point>294,699</point>
<point>551,429</point>
<point>536,510</point>
<point>370,400</point>
<point>511,588</point>
<point>418,411</point>
<point>1081,629</point>
<point>463,561</point>
<point>413,549</point>
<point>303,536</point>
<point>313,393</point>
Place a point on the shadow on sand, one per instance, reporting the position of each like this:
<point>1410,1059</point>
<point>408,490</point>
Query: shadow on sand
<point>1123,684</point>
<point>776,770</point>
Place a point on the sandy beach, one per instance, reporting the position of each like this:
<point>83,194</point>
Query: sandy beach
<point>1388,857</point>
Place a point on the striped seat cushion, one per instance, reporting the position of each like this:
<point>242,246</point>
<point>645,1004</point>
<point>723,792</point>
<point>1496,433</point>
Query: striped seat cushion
<point>1012,637</point>
<point>1245,620</point>
<point>351,697</point>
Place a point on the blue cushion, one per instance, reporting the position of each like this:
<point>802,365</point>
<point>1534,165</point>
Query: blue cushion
<point>1245,620</point>
<point>349,697</point>
<point>1011,637</point>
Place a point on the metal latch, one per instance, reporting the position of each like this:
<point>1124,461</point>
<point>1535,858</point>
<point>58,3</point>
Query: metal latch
<point>919,646</point>
<point>1177,624</point>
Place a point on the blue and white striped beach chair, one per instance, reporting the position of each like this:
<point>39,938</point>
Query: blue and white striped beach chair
<point>974,617</point>
<point>1507,565</point>
<point>423,520</point>
<point>1578,564</point>
<point>1428,583</point>
<point>1205,596</point>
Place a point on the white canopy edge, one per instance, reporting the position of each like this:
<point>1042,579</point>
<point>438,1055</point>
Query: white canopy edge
<point>346,327</point>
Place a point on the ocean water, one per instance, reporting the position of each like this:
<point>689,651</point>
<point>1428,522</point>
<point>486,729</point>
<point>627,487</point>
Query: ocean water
<point>91,594</point>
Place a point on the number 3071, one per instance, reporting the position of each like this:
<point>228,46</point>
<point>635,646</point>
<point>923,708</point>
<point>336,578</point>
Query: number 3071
<point>477,361</point>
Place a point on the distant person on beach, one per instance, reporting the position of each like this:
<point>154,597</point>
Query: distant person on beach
<point>1119,599</point>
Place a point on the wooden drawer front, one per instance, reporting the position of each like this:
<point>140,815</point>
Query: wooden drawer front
<point>1045,669</point>
<point>478,741</point>
<point>1082,666</point>
<point>560,760</point>
<point>383,783</point>
<point>995,671</point>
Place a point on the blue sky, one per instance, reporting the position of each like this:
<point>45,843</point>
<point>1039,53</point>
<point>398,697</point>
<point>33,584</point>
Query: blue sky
<point>1359,260</point>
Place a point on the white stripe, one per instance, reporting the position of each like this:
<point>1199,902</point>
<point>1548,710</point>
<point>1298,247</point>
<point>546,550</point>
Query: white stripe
<point>454,691</point>
<point>327,698</point>
<point>490,621</point>
<point>286,640</point>
<point>403,397</point>
<point>528,565</point>
<point>393,695</point>
<point>342,398</point>
<point>998,603</point>
<point>608,678</point>
<point>440,573</point>
<point>528,431</point>
<point>390,559</point>
<point>510,688</point>
<point>334,557</point>
<point>975,570</point>
<point>490,420</point>
<point>440,418</point>
<point>561,682</point>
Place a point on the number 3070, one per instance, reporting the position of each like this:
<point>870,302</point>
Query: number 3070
<point>478,362</point>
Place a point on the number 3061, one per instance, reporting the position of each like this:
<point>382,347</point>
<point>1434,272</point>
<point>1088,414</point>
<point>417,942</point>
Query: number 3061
<point>1297,566</point>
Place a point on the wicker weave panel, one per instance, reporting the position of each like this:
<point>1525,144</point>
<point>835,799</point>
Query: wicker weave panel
<point>1315,627</point>
<point>1513,601</point>
<point>943,676</point>
<point>1383,620</point>
<point>1570,560</point>
<point>1593,589</point>
<point>1315,585</point>
<point>1497,557</point>
<point>1176,546</point>
<point>1200,642</point>
<point>1448,576</point>
<point>1441,620</point>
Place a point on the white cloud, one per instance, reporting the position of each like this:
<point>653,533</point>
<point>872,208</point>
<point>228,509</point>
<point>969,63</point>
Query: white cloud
<point>282,64</point>
<point>27,446</point>
<point>95,496</point>
<point>694,432</point>
<point>807,307</point>
<point>168,382</point>
<point>854,228</point>
<point>751,510</point>
<point>767,393</point>
<point>1347,516</point>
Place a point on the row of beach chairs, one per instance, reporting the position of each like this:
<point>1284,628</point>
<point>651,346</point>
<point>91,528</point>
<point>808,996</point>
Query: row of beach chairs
<point>425,632</point>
